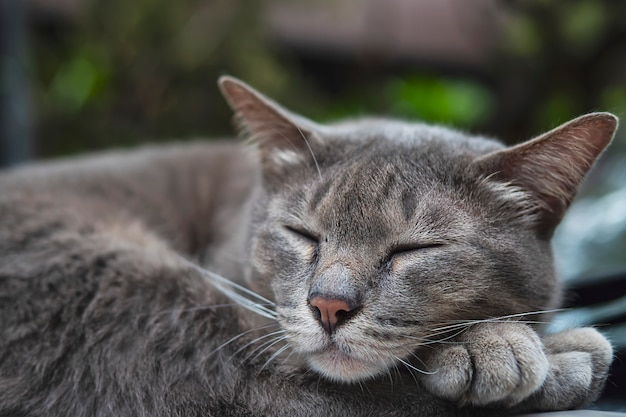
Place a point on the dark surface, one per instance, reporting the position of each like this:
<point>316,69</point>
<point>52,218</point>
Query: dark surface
<point>576,413</point>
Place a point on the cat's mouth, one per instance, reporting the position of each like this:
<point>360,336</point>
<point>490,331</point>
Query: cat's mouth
<point>337,365</point>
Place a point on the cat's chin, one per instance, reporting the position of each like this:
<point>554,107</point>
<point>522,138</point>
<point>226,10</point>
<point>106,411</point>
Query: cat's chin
<point>341,367</point>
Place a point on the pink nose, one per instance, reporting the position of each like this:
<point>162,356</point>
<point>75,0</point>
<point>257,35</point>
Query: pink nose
<point>331,312</point>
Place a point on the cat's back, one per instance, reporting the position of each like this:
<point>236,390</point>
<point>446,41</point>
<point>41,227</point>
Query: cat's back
<point>176,190</point>
<point>156,161</point>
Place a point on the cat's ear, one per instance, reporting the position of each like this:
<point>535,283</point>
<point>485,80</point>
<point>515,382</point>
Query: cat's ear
<point>550,167</point>
<point>281,136</point>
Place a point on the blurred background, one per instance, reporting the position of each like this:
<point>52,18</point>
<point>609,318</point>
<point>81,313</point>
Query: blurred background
<point>85,75</point>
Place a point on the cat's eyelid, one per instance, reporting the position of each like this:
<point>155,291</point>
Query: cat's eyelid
<point>413,247</point>
<point>302,233</point>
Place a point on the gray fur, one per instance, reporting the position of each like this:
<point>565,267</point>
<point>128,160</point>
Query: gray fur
<point>440,241</point>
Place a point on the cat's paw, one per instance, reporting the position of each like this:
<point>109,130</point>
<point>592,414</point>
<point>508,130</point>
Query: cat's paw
<point>490,363</point>
<point>508,364</point>
<point>579,364</point>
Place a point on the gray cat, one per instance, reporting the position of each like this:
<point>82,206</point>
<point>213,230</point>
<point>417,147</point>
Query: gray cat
<point>376,267</point>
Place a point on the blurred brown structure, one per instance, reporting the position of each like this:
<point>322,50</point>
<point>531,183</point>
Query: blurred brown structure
<point>541,61</point>
<point>448,34</point>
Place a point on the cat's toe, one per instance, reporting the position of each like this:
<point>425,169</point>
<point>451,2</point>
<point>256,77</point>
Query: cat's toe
<point>451,372</point>
<point>586,339</point>
<point>509,364</point>
<point>567,386</point>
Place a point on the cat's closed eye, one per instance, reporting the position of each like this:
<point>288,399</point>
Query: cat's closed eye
<point>309,240</point>
<point>409,249</point>
<point>303,234</point>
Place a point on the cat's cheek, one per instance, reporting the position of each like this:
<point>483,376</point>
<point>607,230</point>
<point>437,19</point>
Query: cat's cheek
<point>308,252</point>
<point>400,264</point>
<point>274,256</point>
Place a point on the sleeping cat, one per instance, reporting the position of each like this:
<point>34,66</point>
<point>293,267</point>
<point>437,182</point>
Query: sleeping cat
<point>375,267</point>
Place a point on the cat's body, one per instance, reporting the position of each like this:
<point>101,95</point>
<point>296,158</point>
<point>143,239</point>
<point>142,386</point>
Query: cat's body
<point>375,242</point>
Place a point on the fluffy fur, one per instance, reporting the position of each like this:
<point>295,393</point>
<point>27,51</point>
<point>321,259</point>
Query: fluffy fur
<point>114,302</point>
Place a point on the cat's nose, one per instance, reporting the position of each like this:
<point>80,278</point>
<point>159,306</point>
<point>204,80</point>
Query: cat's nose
<point>330,312</point>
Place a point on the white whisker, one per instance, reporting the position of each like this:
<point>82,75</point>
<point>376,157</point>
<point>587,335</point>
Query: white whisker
<point>467,323</point>
<point>429,339</point>
<point>275,355</point>
<point>246,303</point>
<point>361,386</point>
<point>395,367</point>
<point>308,145</point>
<point>306,142</point>
<point>390,377</point>
<point>409,367</point>
<point>230,288</point>
<point>273,342</point>
<point>419,359</point>
<point>232,339</point>
<point>258,339</point>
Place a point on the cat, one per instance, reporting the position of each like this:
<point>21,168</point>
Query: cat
<point>371,267</point>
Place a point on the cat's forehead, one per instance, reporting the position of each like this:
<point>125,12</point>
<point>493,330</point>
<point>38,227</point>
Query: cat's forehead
<point>378,192</point>
<point>377,156</point>
<point>379,176</point>
<point>417,136</point>
<point>377,184</point>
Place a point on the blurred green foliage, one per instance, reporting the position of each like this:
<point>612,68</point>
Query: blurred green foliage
<point>572,53</point>
<point>440,100</point>
<point>127,72</point>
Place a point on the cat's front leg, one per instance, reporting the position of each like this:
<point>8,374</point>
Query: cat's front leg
<point>508,364</point>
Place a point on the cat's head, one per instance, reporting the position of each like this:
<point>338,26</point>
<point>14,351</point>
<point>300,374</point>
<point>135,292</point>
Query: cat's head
<point>374,236</point>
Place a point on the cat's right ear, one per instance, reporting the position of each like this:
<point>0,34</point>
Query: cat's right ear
<point>282,137</point>
<point>550,167</point>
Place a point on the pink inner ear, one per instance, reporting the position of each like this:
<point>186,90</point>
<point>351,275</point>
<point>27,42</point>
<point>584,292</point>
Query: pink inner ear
<point>264,121</point>
<point>552,166</point>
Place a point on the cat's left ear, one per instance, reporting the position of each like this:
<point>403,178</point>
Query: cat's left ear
<point>551,167</point>
<point>281,136</point>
